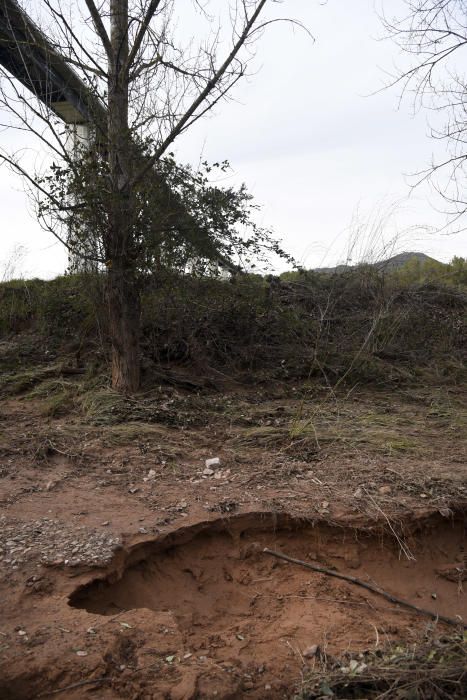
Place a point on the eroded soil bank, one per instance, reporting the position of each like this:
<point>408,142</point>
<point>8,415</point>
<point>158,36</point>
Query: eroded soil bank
<point>202,611</point>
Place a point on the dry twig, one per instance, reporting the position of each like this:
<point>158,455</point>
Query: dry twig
<point>369,587</point>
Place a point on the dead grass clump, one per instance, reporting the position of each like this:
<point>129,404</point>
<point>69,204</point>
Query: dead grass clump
<point>58,396</point>
<point>14,383</point>
<point>104,406</point>
<point>142,434</point>
<point>284,440</point>
<point>262,436</point>
<point>425,672</point>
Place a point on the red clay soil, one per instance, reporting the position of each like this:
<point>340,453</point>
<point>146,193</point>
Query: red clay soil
<point>128,572</point>
<point>202,612</point>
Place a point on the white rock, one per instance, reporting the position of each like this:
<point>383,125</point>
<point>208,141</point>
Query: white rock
<point>213,462</point>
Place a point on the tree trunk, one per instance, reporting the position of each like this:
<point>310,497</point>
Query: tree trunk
<point>124,325</point>
<point>123,293</point>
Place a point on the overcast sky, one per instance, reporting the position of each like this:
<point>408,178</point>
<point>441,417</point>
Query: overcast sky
<point>321,154</point>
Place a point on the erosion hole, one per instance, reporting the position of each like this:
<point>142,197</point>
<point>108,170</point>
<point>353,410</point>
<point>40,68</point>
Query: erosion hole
<point>216,581</point>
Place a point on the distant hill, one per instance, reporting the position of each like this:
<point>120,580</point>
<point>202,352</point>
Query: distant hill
<point>393,263</point>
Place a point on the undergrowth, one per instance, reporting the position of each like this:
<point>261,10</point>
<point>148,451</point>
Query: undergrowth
<point>349,328</point>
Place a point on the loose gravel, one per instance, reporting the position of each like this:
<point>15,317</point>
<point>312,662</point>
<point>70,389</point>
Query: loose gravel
<point>53,543</point>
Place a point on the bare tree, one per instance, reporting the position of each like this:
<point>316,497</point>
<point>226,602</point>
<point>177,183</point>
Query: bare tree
<point>432,35</point>
<point>141,78</point>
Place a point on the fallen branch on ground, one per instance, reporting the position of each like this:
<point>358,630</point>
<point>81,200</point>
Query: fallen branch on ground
<point>369,587</point>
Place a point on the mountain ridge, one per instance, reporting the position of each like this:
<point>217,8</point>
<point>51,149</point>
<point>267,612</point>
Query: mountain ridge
<point>393,263</point>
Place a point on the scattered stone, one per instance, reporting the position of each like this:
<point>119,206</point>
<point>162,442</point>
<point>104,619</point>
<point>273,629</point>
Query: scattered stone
<point>133,489</point>
<point>54,543</point>
<point>81,653</point>
<point>311,651</point>
<point>208,471</point>
<point>358,493</point>
<point>213,462</point>
<point>150,476</point>
<point>222,474</point>
<point>384,490</point>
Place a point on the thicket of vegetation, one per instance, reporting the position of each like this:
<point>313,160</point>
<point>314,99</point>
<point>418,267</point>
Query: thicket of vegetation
<point>358,326</point>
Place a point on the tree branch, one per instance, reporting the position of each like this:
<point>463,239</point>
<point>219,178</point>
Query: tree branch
<point>99,26</point>
<point>152,9</point>
<point>211,84</point>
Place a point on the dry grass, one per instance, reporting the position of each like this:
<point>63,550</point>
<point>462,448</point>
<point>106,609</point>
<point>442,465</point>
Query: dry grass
<point>14,383</point>
<point>165,442</point>
<point>435,669</point>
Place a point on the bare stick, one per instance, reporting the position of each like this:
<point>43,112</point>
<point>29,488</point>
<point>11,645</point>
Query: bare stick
<point>369,587</point>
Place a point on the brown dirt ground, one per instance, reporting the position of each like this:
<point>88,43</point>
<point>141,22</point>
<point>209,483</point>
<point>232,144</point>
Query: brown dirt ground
<point>171,594</point>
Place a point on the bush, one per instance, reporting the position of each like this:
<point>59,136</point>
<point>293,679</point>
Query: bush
<point>359,326</point>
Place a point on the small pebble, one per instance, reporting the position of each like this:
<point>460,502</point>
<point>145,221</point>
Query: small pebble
<point>311,651</point>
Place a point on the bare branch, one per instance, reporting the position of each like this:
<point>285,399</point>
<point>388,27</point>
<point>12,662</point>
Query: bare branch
<point>99,26</point>
<point>211,84</point>
<point>152,9</point>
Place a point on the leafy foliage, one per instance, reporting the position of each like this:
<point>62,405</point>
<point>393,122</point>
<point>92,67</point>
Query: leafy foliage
<point>181,220</point>
<point>432,271</point>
